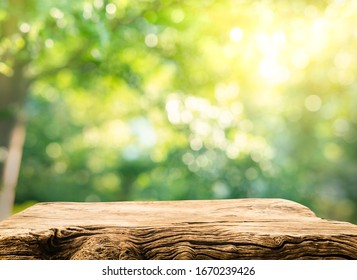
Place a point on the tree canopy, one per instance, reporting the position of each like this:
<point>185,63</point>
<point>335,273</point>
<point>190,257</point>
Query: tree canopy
<point>166,100</point>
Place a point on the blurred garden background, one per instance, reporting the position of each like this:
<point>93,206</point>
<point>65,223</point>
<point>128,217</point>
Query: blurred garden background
<point>113,100</point>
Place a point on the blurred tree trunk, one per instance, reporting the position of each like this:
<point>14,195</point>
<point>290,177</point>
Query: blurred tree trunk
<point>12,133</point>
<point>13,92</point>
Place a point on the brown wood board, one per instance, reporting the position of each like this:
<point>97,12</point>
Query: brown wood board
<point>192,229</point>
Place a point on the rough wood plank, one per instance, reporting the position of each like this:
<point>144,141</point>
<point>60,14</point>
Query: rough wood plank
<point>212,229</point>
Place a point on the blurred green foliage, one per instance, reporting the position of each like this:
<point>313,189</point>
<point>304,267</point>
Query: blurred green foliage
<point>164,100</point>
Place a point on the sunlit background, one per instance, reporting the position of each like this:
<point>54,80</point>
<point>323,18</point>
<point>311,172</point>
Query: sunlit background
<point>167,100</point>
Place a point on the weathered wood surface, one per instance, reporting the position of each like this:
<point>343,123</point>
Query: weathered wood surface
<point>214,229</point>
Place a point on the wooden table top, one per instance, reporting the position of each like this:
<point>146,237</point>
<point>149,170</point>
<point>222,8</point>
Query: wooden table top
<point>196,229</point>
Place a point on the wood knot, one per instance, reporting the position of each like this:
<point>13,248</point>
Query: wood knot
<point>184,252</point>
<point>107,247</point>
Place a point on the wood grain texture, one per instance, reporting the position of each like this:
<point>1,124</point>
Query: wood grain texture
<point>204,229</point>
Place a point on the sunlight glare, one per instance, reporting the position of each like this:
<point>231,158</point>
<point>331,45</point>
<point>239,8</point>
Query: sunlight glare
<point>300,59</point>
<point>236,34</point>
<point>225,92</point>
<point>279,38</point>
<point>272,71</point>
<point>343,60</point>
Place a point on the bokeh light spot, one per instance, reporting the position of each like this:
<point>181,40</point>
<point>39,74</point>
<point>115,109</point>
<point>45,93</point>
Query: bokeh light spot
<point>111,9</point>
<point>341,127</point>
<point>49,43</point>
<point>332,151</point>
<point>220,190</point>
<point>177,15</point>
<point>25,27</point>
<point>251,173</point>
<point>151,40</point>
<point>313,103</point>
<point>236,34</point>
<point>56,13</point>
<point>54,150</point>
